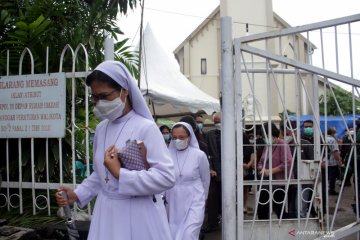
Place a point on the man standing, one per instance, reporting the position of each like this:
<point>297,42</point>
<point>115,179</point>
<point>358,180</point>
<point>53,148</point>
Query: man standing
<point>345,155</point>
<point>334,159</point>
<point>308,131</point>
<point>306,153</point>
<point>213,138</point>
<point>200,124</point>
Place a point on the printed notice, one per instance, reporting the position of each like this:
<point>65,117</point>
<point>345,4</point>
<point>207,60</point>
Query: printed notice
<point>32,106</point>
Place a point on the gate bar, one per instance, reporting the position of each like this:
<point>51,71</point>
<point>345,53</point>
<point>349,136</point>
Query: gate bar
<point>228,167</point>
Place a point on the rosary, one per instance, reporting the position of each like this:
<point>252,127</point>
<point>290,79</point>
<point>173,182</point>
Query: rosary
<point>112,154</point>
<point>178,165</point>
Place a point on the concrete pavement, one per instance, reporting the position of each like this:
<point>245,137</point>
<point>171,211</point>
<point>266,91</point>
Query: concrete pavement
<point>344,216</point>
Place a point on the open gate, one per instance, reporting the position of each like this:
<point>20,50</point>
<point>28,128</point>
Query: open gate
<point>270,73</point>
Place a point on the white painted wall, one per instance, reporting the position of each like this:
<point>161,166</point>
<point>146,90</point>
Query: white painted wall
<point>205,45</point>
<point>204,42</point>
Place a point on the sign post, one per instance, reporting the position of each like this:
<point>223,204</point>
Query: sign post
<point>33,106</point>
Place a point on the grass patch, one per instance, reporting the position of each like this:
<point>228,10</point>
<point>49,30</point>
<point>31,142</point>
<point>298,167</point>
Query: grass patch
<point>27,219</point>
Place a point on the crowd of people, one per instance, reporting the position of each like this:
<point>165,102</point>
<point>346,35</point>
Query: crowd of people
<point>177,195</point>
<point>285,150</point>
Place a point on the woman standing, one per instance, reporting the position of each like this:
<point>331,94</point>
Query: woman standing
<point>186,200</point>
<point>279,168</point>
<point>166,132</point>
<point>128,205</point>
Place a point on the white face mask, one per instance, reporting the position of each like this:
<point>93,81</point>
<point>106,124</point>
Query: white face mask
<point>111,110</point>
<point>271,140</point>
<point>350,134</point>
<point>288,139</point>
<point>166,137</point>
<point>181,144</point>
<point>218,126</point>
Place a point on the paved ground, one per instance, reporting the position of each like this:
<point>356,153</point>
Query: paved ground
<point>344,217</point>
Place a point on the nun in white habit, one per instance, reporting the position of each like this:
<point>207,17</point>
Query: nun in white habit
<point>128,204</point>
<point>186,200</point>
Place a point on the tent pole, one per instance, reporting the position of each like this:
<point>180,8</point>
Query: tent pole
<point>141,39</point>
<point>153,107</point>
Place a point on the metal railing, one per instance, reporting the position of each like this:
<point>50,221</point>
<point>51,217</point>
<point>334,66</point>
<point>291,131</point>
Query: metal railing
<point>11,193</point>
<point>288,79</point>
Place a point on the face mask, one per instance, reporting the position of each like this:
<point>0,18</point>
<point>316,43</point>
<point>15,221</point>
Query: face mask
<point>218,126</point>
<point>111,110</point>
<point>200,126</point>
<point>181,144</point>
<point>288,139</point>
<point>271,140</point>
<point>309,131</point>
<point>251,140</point>
<point>350,134</point>
<point>166,137</point>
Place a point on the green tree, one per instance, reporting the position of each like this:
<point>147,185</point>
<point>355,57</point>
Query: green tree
<point>344,99</point>
<point>37,24</point>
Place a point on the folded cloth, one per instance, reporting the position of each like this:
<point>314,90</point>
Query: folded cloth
<point>133,156</point>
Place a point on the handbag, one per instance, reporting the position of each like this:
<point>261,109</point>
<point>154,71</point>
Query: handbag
<point>133,156</point>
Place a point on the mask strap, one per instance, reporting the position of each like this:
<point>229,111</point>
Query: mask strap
<point>189,140</point>
<point>120,96</point>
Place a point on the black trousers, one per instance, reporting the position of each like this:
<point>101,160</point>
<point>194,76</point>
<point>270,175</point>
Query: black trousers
<point>214,203</point>
<point>333,174</point>
<point>323,189</point>
<point>278,198</point>
<point>358,182</point>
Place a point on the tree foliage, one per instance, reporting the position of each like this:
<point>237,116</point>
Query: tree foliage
<point>344,99</point>
<point>38,24</point>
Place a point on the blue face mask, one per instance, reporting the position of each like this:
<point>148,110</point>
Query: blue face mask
<point>309,131</point>
<point>166,137</point>
<point>200,126</point>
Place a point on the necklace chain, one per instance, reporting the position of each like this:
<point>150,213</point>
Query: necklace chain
<point>106,129</point>
<point>178,165</point>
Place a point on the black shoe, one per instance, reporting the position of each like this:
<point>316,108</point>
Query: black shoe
<point>353,205</point>
<point>333,193</point>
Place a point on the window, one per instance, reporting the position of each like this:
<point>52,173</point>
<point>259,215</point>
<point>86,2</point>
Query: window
<point>203,66</point>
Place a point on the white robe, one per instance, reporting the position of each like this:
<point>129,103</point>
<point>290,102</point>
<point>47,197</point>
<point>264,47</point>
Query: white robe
<point>186,200</point>
<point>124,208</point>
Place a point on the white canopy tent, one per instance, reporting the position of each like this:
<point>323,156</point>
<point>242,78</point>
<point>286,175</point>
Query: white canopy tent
<point>167,91</point>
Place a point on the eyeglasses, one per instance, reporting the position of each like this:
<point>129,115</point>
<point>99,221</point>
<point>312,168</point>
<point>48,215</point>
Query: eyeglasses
<point>100,96</point>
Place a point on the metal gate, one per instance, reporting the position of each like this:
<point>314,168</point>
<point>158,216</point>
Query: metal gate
<point>11,195</point>
<point>270,73</point>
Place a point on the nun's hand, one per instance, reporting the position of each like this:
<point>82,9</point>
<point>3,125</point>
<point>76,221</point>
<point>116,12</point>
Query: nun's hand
<point>71,196</point>
<point>111,161</point>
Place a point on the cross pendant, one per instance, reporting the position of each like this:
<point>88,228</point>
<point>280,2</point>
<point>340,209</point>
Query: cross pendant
<point>106,179</point>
